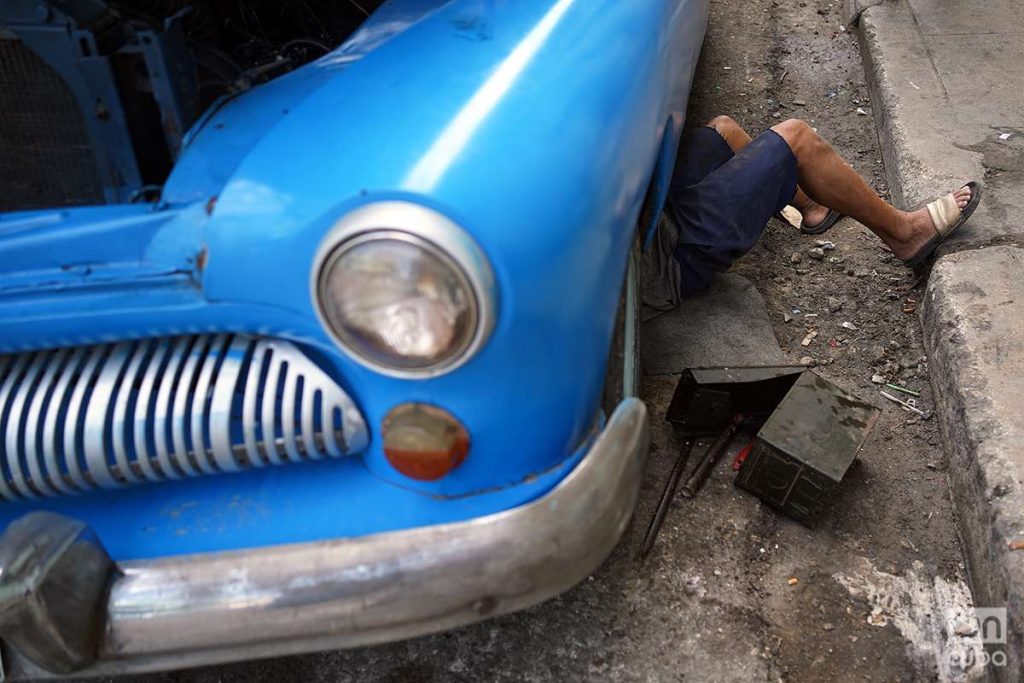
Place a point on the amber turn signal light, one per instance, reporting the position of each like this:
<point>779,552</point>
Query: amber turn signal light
<point>423,442</point>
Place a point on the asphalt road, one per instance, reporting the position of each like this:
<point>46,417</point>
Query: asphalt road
<point>877,583</point>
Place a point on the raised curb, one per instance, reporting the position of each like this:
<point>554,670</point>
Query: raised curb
<point>974,332</point>
<point>852,9</point>
<point>973,315</point>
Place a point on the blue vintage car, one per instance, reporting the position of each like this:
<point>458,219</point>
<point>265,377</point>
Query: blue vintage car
<point>339,375</point>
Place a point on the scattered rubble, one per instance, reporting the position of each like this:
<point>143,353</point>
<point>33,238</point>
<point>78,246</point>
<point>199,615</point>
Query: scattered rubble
<point>965,630</point>
<point>791,216</point>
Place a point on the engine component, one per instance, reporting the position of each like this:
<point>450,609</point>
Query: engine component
<point>96,96</point>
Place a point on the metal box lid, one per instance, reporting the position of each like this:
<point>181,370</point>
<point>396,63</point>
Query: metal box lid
<point>820,425</point>
<point>706,398</point>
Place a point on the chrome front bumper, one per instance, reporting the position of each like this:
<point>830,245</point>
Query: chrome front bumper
<point>203,609</point>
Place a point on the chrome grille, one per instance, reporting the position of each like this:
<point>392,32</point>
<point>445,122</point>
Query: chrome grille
<point>113,415</point>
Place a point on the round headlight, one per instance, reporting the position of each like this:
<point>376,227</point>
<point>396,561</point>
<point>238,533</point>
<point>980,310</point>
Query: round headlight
<point>398,301</point>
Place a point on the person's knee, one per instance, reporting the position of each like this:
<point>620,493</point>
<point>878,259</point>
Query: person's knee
<point>797,133</point>
<point>722,123</point>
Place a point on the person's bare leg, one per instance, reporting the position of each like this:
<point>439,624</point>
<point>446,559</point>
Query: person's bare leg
<point>737,138</point>
<point>734,135</point>
<point>831,182</point>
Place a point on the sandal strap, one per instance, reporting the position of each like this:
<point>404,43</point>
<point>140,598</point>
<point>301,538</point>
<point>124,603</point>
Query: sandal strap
<point>944,213</point>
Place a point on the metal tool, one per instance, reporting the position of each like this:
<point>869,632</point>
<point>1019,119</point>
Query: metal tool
<point>703,469</point>
<point>742,456</point>
<point>910,404</point>
<point>666,498</point>
<point>903,390</point>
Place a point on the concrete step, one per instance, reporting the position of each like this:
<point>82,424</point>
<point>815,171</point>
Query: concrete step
<point>974,330</point>
<point>945,79</point>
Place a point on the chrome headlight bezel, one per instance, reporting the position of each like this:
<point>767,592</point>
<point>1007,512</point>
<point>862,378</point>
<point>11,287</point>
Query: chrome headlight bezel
<point>436,234</point>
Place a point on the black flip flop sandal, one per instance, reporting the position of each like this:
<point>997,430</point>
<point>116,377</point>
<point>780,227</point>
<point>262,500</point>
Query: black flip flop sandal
<point>830,219</point>
<point>946,217</point>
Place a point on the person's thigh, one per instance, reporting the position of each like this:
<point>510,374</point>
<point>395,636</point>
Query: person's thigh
<point>721,217</point>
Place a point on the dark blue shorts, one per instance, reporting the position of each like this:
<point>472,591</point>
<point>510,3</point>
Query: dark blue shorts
<point>721,202</point>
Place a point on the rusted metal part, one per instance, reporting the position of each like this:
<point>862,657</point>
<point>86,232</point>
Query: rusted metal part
<point>666,498</point>
<point>54,579</point>
<point>704,467</point>
<point>202,258</point>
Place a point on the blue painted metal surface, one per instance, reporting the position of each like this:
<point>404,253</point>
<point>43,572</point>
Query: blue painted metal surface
<point>534,124</point>
<point>290,504</point>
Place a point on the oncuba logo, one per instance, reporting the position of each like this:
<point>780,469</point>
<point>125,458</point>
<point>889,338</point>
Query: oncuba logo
<point>991,622</point>
<point>990,627</point>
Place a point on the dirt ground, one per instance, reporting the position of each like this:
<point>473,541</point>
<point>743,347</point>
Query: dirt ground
<point>875,581</point>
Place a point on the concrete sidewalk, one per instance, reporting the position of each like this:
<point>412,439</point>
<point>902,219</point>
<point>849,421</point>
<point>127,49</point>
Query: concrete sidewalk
<point>947,80</point>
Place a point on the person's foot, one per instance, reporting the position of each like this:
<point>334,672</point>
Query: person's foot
<point>814,213</point>
<point>922,229</point>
